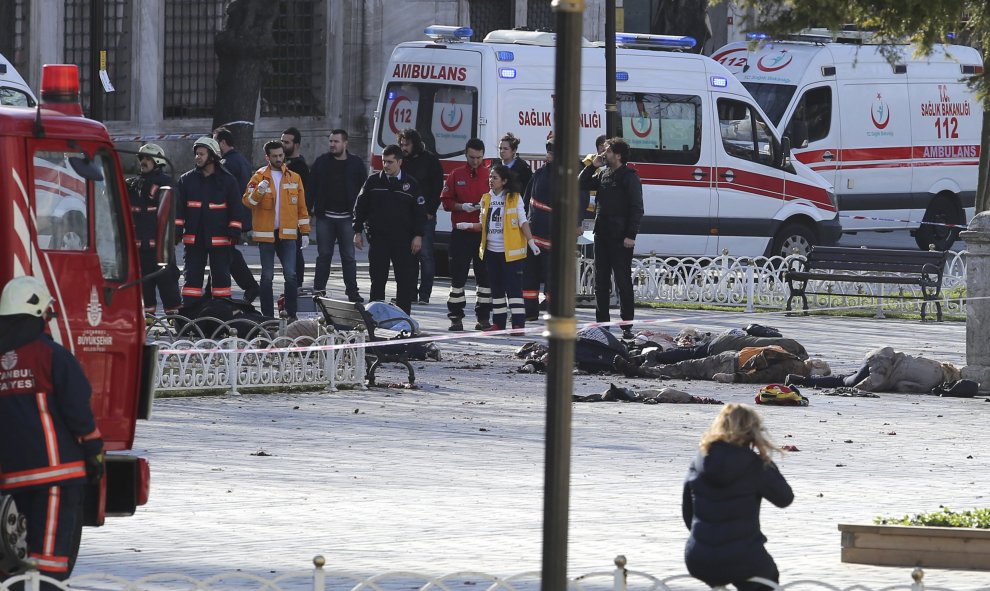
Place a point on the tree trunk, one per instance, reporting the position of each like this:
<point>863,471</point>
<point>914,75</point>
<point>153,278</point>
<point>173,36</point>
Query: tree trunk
<point>244,48</point>
<point>983,182</point>
<point>683,17</point>
<point>7,24</point>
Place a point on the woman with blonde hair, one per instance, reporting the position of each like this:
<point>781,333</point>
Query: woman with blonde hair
<point>725,485</point>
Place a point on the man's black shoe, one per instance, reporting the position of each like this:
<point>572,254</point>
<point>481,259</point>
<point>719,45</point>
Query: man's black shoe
<point>482,325</point>
<point>628,369</point>
<point>628,334</point>
<point>456,325</point>
<point>794,379</point>
<point>356,299</point>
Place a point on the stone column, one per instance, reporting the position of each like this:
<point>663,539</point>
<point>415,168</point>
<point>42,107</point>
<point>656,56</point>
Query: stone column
<point>977,239</point>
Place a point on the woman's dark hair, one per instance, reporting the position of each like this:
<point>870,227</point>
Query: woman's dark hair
<point>508,176</point>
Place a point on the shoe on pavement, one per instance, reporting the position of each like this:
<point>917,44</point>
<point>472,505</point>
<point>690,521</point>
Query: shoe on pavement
<point>628,369</point>
<point>423,302</point>
<point>484,325</point>
<point>356,299</point>
<point>456,325</point>
<point>794,379</point>
<point>627,334</point>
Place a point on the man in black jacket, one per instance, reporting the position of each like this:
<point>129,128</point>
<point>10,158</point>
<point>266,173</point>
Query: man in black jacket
<point>335,180</point>
<point>619,211</point>
<point>393,208</point>
<point>296,162</point>
<point>143,191</point>
<point>237,165</point>
<point>425,167</point>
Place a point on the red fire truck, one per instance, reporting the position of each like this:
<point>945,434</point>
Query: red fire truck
<point>64,205</point>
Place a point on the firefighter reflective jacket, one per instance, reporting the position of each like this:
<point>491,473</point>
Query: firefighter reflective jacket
<point>208,209</point>
<point>143,193</point>
<point>46,423</point>
<point>293,217</point>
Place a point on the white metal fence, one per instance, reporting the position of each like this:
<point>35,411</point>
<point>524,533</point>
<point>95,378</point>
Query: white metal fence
<point>321,579</point>
<point>759,283</point>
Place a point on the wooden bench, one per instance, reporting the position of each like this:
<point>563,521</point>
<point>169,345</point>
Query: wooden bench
<point>351,316</point>
<point>869,265</point>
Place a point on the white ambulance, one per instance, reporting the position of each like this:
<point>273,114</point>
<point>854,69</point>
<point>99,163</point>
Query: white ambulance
<point>715,175</point>
<point>899,140</point>
<point>14,91</point>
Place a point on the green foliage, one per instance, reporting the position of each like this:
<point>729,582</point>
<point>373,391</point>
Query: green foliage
<point>944,517</point>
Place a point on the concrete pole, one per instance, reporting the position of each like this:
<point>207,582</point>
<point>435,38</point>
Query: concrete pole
<point>977,239</point>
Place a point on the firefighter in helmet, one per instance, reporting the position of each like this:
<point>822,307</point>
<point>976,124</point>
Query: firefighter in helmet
<point>208,215</point>
<point>49,442</point>
<point>143,191</point>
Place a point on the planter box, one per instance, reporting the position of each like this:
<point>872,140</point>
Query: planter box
<point>930,547</point>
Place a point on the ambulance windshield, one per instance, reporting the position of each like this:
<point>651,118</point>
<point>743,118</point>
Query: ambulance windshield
<point>772,98</point>
<point>444,115</point>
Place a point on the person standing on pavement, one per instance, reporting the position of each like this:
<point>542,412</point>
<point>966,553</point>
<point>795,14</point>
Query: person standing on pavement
<point>336,178</point>
<point>393,210</point>
<point>296,162</point>
<point>208,217</point>
<point>425,167</point>
<point>725,485</point>
<point>142,191</point>
<point>237,165</point>
<point>508,147</point>
<point>50,444</point>
<point>277,201</point>
<point>504,239</point>
<point>619,210</point>
<point>461,196</point>
<point>541,197</point>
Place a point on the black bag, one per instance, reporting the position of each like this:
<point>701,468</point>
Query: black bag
<point>595,349</point>
<point>758,330</point>
<point>957,389</point>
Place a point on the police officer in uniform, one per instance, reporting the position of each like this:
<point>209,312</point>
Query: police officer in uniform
<point>208,214</point>
<point>143,191</point>
<point>393,208</point>
<point>49,442</point>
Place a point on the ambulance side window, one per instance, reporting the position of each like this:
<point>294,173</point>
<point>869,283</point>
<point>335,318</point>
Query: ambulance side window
<point>744,133</point>
<point>661,128</point>
<point>812,118</point>
<point>60,206</point>
<point>108,210</point>
<point>445,115</point>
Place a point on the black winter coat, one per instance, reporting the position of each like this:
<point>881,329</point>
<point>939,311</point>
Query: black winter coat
<point>425,167</point>
<point>619,200</point>
<point>390,209</point>
<point>721,507</point>
<point>142,191</point>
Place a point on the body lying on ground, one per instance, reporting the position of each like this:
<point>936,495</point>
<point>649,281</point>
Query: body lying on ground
<point>750,365</point>
<point>730,340</point>
<point>886,370</point>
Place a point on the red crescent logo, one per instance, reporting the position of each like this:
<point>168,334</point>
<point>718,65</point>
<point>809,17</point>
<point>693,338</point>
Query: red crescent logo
<point>873,116</point>
<point>453,127</point>
<point>780,61</point>
<point>635,131</point>
<point>391,112</point>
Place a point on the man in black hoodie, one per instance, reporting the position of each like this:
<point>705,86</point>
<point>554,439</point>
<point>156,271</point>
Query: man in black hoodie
<point>424,166</point>
<point>49,442</point>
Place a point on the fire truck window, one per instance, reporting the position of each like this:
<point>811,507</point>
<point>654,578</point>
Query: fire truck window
<point>661,128</point>
<point>110,235</point>
<point>12,97</point>
<point>60,205</point>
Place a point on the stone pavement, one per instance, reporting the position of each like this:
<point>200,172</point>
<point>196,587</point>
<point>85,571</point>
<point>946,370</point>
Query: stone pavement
<point>449,476</point>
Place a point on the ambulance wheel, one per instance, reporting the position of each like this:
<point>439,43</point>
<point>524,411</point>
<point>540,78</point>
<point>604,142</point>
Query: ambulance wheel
<point>794,236</point>
<point>941,211</point>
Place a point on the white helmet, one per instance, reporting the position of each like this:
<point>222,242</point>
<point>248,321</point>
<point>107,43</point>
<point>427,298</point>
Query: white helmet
<point>154,151</point>
<point>25,295</point>
<point>210,144</point>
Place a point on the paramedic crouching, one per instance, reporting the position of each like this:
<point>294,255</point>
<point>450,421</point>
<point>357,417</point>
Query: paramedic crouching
<point>49,442</point>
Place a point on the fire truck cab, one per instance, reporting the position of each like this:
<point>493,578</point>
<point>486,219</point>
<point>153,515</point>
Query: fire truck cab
<point>65,207</point>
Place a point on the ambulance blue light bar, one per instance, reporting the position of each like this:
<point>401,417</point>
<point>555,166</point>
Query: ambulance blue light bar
<point>622,76</point>
<point>505,56</point>
<point>450,33</point>
<point>655,41</point>
<point>720,81</point>
<point>507,73</point>
<point>757,36</point>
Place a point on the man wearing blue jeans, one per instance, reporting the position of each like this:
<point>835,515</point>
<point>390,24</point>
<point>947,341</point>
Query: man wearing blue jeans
<point>334,182</point>
<point>425,167</point>
<point>277,201</point>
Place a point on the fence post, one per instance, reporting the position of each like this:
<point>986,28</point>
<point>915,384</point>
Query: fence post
<point>619,574</point>
<point>917,575</point>
<point>750,282</point>
<point>319,577</point>
<point>232,364</point>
